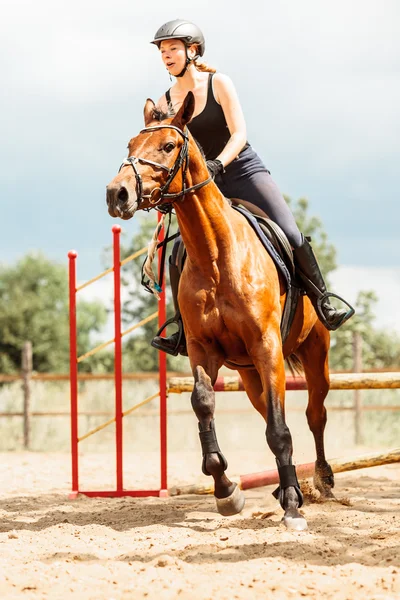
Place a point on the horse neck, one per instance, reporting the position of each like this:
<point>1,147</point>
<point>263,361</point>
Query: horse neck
<point>204,227</point>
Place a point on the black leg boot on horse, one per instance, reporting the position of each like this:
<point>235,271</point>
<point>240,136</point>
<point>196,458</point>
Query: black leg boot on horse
<point>228,496</point>
<point>176,343</point>
<point>314,284</point>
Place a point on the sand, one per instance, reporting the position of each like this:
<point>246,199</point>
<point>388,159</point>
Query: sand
<point>53,547</point>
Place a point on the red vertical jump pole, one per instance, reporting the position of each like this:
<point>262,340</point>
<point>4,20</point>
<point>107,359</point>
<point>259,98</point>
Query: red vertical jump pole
<point>162,363</point>
<point>118,355</point>
<point>73,362</point>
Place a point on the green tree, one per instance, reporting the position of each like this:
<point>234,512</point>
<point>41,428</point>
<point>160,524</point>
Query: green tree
<point>34,306</point>
<point>379,348</point>
<point>138,354</point>
<point>313,227</point>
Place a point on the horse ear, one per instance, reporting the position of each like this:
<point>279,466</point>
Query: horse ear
<point>148,111</point>
<point>185,112</point>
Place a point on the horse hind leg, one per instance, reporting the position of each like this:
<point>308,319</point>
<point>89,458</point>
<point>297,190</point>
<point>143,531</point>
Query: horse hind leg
<point>229,498</point>
<point>313,354</point>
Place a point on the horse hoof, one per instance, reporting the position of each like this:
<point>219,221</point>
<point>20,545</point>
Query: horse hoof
<point>295,523</point>
<point>232,505</point>
<point>327,496</point>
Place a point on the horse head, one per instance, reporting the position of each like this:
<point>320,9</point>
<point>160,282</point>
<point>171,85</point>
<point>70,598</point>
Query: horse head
<point>155,172</point>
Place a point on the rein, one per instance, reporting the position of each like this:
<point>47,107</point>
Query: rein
<point>182,162</point>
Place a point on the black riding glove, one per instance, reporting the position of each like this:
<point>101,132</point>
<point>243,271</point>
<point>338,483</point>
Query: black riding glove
<point>215,167</point>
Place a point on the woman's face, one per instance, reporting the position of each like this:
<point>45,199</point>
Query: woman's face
<point>173,54</point>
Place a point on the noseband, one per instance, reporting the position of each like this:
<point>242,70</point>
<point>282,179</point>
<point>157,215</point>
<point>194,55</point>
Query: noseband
<point>182,162</point>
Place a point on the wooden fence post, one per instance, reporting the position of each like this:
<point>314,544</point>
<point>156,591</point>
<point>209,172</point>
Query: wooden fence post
<point>357,368</point>
<point>26,386</point>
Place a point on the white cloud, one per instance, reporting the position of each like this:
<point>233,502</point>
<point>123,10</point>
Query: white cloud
<point>318,82</point>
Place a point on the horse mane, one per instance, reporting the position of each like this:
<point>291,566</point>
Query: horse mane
<point>201,149</point>
<point>160,114</point>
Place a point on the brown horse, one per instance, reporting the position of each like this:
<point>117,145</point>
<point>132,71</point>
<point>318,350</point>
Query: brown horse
<point>231,299</point>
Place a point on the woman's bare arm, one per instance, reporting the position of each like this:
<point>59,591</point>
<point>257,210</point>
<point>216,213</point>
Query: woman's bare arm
<point>225,94</point>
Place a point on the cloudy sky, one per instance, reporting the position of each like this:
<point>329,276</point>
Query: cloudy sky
<point>319,83</point>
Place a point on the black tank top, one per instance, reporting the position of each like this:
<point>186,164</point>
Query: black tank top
<point>209,127</point>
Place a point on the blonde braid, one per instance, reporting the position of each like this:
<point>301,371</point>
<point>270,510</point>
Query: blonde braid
<point>204,67</point>
<point>151,253</point>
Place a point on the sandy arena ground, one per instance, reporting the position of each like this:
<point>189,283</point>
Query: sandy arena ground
<point>52,547</point>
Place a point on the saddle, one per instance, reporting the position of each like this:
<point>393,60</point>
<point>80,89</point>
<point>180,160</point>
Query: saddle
<point>278,247</point>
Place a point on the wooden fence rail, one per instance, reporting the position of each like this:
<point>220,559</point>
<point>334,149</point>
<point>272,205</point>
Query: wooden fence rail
<point>189,411</point>
<point>338,381</point>
<point>87,376</point>
<point>178,383</point>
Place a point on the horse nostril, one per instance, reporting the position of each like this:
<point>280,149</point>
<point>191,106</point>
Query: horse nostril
<point>123,194</point>
<point>109,195</point>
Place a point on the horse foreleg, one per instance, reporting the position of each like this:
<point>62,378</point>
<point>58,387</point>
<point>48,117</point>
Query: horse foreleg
<point>313,354</point>
<point>229,498</point>
<point>279,439</point>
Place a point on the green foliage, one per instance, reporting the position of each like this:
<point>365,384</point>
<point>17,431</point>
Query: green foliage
<point>313,227</point>
<point>138,354</point>
<point>379,348</point>
<point>34,307</point>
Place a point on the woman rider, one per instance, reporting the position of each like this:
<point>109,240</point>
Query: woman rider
<point>219,127</point>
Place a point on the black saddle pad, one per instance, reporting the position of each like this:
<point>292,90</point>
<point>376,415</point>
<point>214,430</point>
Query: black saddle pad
<point>274,241</point>
<point>277,245</point>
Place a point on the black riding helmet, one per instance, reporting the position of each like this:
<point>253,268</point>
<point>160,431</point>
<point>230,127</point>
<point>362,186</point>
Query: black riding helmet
<point>179,29</point>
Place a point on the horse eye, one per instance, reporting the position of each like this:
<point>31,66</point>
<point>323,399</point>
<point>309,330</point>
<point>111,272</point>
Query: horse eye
<point>169,147</point>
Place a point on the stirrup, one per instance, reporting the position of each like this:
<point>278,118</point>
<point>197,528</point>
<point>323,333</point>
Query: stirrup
<point>325,296</point>
<point>158,343</point>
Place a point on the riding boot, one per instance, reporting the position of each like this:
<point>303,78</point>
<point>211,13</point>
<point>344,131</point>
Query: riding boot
<point>176,343</point>
<point>311,277</point>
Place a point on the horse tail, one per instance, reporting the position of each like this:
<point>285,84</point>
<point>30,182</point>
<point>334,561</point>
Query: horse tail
<point>295,365</point>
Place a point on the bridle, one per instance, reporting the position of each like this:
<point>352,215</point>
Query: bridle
<point>182,162</point>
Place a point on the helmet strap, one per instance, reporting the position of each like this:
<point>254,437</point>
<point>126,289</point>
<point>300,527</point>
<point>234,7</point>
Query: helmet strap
<point>188,61</point>
<point>181,74</point>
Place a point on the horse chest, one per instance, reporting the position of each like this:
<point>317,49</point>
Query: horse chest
<point>217,318</point>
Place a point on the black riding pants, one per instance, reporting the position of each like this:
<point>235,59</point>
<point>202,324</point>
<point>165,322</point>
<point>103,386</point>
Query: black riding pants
<point>247,178</point>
